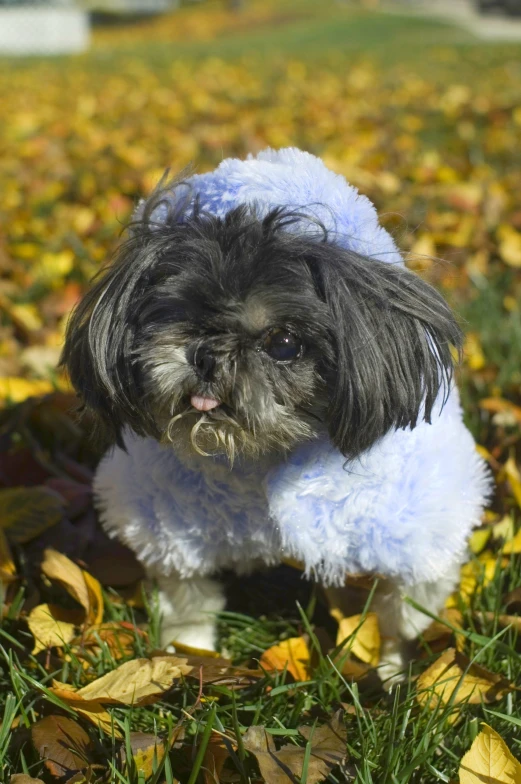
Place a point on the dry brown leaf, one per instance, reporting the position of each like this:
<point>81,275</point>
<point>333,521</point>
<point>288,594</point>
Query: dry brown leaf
<point>439,631</point>
<point>139,682</point>
<point>328,748</point>
<point>503,620</point>
<point>29,511</point>
<point>23,778</point>
<point>221,671</point>
<point>215,757</point>
<point>489,760</point>
<point>513,600</point>
<point>453,677</point>
<point>118,636</point>
<point>498,405</point>
<point>328,741</point>
<point>62,744</point>
<point>51,626</point>
<point>292,654</point>
<point>362,636</point>
<point>77,582</point>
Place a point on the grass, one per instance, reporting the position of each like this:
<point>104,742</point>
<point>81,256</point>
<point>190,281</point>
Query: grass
<point>391,76</point>
<point>390,737</point>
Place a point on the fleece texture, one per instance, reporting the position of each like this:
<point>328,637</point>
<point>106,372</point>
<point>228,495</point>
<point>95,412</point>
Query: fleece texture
<point>404,509</point>
<point>295,180</point>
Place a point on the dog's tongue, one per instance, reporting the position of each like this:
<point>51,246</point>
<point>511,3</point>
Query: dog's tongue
<point>203,403</point>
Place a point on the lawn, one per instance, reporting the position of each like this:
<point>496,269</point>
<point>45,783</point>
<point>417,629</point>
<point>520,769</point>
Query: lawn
<point>426,121</point>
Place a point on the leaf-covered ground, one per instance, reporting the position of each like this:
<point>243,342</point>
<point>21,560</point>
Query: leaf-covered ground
<point>427,122</point>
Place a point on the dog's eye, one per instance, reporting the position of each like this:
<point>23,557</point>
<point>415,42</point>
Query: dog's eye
<point>282,345</point>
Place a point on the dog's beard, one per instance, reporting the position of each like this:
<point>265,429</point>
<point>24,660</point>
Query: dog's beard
<point>220,432</point>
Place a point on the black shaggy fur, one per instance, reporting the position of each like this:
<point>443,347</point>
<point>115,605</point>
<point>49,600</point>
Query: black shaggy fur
<point>377,339</point>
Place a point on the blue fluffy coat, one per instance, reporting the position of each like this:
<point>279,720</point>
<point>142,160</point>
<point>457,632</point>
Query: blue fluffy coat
<point>403,510</point>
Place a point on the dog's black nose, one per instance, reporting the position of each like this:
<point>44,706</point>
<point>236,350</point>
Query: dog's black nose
<point>204,363</point>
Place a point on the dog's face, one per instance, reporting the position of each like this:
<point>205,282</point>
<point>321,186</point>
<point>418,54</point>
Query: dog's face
<point>244,336</point>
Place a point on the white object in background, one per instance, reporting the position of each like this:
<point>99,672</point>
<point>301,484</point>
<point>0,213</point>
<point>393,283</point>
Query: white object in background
<point>35,30</point>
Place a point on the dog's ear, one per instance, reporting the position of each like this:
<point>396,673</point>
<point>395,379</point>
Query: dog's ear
<point>99,341</point>
<point>100,337</point>
<point>392,339</point>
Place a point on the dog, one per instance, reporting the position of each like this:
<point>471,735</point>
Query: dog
<point>276,385</point>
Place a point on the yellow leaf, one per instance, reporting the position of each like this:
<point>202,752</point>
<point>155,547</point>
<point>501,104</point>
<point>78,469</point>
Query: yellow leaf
<point>53,267</point>
<point>514,477</point>
<point>362,637</point>
<point>92,710</point>
<point>473,352</point>
<point>292,654</point>
<point>16,390</point>
<point>78,583</point>
<point>504,529</point>
<point>50,626</point>
<point>513,547</point>
<point>7,566</point>
<point>489,760</point>
<point>510,245</point>
<point>479,539</point>
<point>423,250</point>
<point>137,682</point>
<point>26,316</point>
<point>453,677</point>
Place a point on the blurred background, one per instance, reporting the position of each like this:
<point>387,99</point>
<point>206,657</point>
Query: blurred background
<point>417,103</point>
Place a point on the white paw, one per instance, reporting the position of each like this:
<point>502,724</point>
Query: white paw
<point>200,636</point>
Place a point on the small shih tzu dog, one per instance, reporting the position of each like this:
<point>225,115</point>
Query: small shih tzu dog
<point>278,386</point>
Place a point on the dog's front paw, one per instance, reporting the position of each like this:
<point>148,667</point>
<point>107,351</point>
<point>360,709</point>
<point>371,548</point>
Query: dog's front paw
<point>392,669</point>
<point>201,636</point>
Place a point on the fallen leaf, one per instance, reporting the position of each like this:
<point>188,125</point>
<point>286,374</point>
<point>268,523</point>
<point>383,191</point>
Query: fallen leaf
<point>215,757</point>
<point>16,390</point>
<point>62,744</point>
<point>147,752</point>
<point>361,635</point>
<point>473,352</point>
<point>505,529</point>
<point>502,620</point>
<point>453,677</point>
<point>489,761</point>
<point>440,631</point>
<point>77,582</point>
<point>513,600</point>
<point>328,741</point>
<point>498,405</point>
<point>7,565</point>
<point>510,245</point>
<point>26,512</point>
<point>23,778</point>
<point>286,764</point>
<point>51,626</point>
<point>291,654</point>
<point>138,682</point>
<point>92,710</point>
<point>513,475</point>
<point>118,636</point>
<point>479,539</point>
<point>513,547</point>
